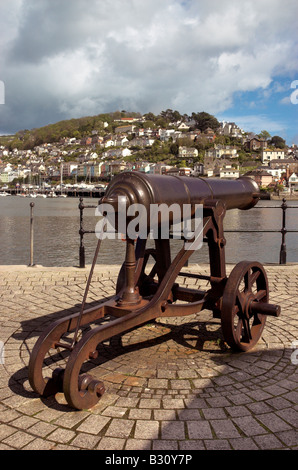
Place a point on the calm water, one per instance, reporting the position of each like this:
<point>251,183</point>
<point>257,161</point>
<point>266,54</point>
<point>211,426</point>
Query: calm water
<point>56,234</point>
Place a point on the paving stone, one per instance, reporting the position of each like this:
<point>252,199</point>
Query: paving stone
<point>243,443</point>
<point>214,413</point>
<point>39,444</point>
<point>224,428</point>
<point>138,444</point>
<point>85,441</point>
<point>18,440</point>
<point>6,430</point>
<point>140,414</point>
<point>268,442</point>
<point>273,422</point>
<point>199,430</point>
<point>190,445</point>
<point>146,429</point>
<point>236,411</point>
<point>173,403</point>
<point>166,415</point>
<point>189,414</point>
<point>150,403</point>
<point>114,411</point>
<point>109,443</point>
<point>42,429</point>
<point>172,430</point>
<point>217,444</point>
<point>180,384</point>
<point>290,416</point>
<point>94,424</point>
<point>61,435</point>
<point>249,426</point>
<point>120,428</point>
<point>289,438</point>
<point>69,420</point>
<point>165,445</point>
<point>158,383</point>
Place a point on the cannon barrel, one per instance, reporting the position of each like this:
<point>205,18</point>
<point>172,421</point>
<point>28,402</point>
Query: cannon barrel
<point>139,188</point>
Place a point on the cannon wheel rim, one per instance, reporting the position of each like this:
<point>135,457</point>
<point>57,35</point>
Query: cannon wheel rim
<point>247,282</point>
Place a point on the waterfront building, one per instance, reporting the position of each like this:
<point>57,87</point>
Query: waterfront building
<point>261,177</point>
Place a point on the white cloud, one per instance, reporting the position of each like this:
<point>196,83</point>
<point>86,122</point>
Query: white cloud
<point>65,59</point>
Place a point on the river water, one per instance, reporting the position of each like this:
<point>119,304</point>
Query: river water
<point>56,234</point>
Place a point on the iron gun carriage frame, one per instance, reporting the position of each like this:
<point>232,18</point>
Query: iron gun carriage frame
<point>240,301</point>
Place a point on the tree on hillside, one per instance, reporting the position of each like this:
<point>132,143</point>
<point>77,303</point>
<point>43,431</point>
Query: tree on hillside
<point>174,148</point>
<point>264,135</point>
<point>150,117</point>
<point>170,115</point>
<point>278,142</point>
<point>204,120</point>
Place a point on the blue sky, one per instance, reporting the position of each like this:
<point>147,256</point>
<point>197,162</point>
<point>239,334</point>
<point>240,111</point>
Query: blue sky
<point>64,59</point>
<point>272,109</point>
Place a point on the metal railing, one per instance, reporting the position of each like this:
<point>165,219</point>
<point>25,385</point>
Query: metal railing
<point>283,230</point>
<point>82,231</point>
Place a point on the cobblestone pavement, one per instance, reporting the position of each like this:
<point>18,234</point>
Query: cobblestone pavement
<point>170,385</point>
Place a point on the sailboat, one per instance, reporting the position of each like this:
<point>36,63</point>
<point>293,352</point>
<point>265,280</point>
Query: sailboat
<point>62,194</point>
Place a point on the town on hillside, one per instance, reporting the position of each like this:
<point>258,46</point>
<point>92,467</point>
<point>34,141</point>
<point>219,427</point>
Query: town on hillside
<point>168,144</point>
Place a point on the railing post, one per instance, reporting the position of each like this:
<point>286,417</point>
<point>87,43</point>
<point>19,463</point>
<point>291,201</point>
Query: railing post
<point>81,232</point>
<point>283,248</point>
<point>31,233</point>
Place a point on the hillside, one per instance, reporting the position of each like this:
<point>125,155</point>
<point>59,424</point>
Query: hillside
<point>78,128</point>
<point>103,124</point>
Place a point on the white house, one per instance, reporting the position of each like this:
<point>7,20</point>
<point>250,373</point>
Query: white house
<point>120,141</point>
<point>231,129</point>
<point>109,143</point>
<point>165,134</point>
<point>219,151</point>
<point>118,153</point>
<point>269,154</point>
<point>188,152</point>
<point>183,127</point>
<point>293,182</point>
<point>8,176</point>
<point>229,172</point>
<point>275,172</point>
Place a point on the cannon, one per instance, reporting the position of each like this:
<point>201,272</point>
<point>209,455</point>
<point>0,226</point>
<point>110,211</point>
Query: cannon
<point>147,290</point>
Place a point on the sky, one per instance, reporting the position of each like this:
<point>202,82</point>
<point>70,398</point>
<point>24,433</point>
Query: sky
<point>63,59</point>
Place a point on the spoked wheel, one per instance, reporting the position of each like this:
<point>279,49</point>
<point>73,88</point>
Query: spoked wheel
<point>245,295</point>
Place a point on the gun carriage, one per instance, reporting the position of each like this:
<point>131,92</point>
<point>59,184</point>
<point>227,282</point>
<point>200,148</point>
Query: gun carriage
<point>240,300</point>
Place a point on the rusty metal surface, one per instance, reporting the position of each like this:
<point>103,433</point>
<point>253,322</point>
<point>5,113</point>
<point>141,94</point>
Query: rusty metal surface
<point>240,300</point>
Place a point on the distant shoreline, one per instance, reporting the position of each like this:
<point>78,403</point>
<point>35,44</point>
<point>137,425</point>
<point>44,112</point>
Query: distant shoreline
<point>292,197</point>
